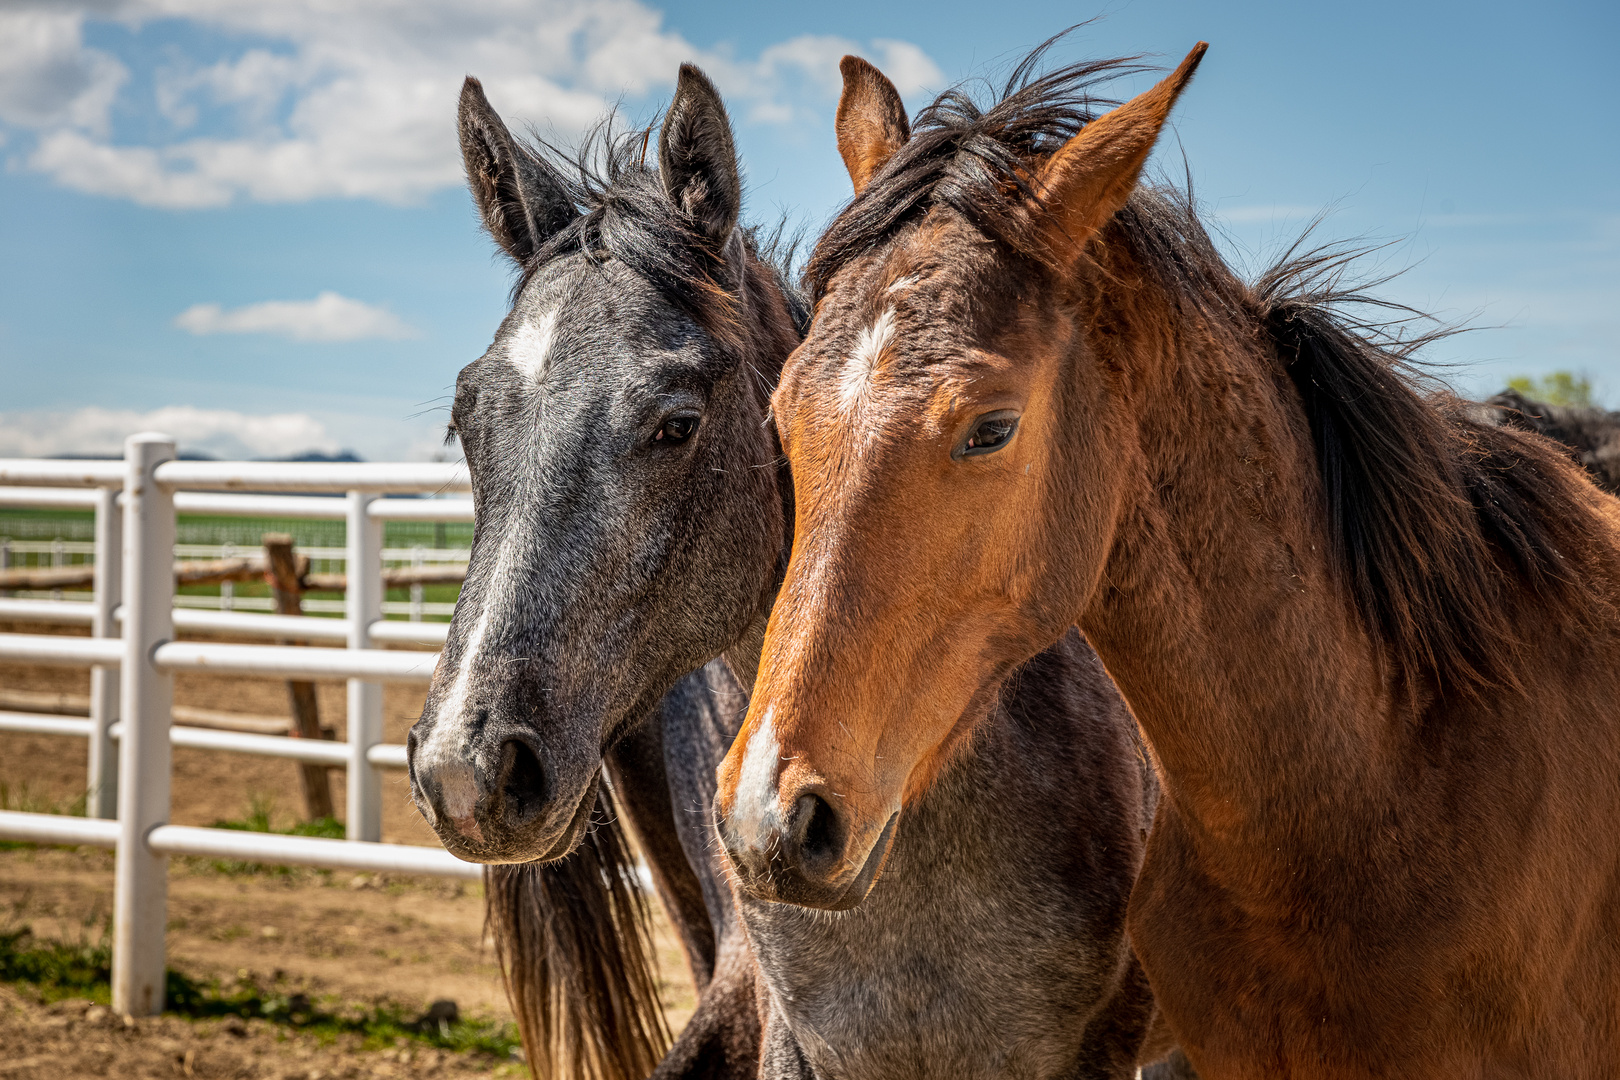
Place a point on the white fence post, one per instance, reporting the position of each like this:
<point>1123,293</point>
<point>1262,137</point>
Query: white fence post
<point>140,890</point>
<point>363,539</point>
<point>102,800</point>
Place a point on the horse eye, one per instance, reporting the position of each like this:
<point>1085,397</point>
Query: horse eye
<point>676,429</point>
<point>990,433</point>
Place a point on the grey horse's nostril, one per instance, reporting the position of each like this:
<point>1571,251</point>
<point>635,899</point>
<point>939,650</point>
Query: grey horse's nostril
<point>523,782</point>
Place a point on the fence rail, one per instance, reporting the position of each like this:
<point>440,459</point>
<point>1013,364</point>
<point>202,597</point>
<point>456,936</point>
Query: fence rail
<point>244,624</point>
<point>132,656</point>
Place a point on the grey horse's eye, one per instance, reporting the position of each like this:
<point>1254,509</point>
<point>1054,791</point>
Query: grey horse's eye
<point>990,433</point>
<point>676,429</point>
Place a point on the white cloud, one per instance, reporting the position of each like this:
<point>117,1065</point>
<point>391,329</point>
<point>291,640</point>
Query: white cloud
<point>358,99</point>
<point>48,77</point>
<point>222,433</point>
<point>912,71</point>
<point>328,317</point>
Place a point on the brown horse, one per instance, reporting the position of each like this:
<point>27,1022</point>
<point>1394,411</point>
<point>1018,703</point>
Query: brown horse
<point>1372,642</point>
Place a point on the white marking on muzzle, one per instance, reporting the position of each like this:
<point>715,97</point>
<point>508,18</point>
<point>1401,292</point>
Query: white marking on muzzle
<point>458,794</point>
<point>528,350</point>
<point>757,812</point>
<point>440,752</point>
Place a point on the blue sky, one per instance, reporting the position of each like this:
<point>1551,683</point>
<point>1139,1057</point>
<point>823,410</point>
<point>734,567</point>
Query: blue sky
<point>244,222</point>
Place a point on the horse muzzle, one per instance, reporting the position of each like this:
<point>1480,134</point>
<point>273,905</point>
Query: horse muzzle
<point>506,809</point>
<point>814,858</point>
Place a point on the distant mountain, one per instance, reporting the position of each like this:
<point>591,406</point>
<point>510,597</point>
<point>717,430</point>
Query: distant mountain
<point>316,455</point>
<point>342,456</point>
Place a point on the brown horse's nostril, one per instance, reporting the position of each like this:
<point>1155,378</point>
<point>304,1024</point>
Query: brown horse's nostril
<point>523,783</point>
<point>818,835</point>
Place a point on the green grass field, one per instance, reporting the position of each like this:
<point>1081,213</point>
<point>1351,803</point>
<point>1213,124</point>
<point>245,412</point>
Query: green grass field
<point>247,534</point>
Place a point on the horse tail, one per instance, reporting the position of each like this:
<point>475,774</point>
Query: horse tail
<point>574,941</point>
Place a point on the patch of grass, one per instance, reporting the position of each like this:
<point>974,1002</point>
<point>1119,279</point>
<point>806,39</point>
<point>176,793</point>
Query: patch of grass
<point>23,798</point>
<point>56,970</point>
<point>260,818</point>
<point>378,1026</point>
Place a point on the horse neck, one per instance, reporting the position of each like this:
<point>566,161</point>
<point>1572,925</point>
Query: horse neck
<point>1218,614</point>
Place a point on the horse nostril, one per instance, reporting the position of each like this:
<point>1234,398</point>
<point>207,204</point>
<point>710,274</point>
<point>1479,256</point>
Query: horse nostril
<point>523,784</point>
<point>819,833</point>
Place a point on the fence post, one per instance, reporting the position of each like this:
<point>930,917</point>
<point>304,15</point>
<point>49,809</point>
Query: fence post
<point>363,539</point>
<point>418,592</point>
<point>140,886</point>
<point>281,571</point>
<point>102,786</point>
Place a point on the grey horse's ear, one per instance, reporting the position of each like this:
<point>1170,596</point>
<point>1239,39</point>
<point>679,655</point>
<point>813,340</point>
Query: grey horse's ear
<point>697,157</point>
<point>523,203</point>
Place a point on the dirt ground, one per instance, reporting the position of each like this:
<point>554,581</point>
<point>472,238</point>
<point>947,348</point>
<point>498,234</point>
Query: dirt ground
<point>359,937</point>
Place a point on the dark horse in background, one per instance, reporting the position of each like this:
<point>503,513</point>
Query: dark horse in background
<point>1373,644</point>
<point>1591,435</point>
<point>633,522</point>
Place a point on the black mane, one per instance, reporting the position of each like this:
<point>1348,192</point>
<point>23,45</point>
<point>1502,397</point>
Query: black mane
<point>624,214</point>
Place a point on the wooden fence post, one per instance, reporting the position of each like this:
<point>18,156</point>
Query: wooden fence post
<point>281,571</point>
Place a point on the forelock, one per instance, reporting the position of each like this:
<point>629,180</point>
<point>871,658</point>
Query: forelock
<point>626,216</point>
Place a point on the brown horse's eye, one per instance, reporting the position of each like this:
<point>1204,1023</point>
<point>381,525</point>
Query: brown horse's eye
<point>990,433</point>
<point>676,429</point>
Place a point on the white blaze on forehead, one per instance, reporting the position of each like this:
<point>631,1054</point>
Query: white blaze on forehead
<point>757,813</point>
<point>529,348</point>
<point>857,375</point>
<point>901,283</point>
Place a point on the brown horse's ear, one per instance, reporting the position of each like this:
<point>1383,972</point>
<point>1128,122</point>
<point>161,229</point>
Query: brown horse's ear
<point>871,120</point>
<point>1091,176</point>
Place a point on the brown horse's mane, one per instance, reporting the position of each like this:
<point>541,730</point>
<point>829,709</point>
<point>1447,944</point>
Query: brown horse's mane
<point>972,158</point>
<point>1441,525</point>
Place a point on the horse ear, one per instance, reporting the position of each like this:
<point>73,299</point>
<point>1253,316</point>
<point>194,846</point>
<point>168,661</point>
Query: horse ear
<point>871,120</point>
<point>1090,177</point>
<point>697,157</point>
<point>523,203</point>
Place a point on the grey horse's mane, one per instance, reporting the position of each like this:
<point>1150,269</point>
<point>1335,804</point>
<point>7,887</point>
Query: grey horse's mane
<point>625,215</point>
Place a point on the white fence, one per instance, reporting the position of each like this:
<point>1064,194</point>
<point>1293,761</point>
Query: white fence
<point>132,657</point>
